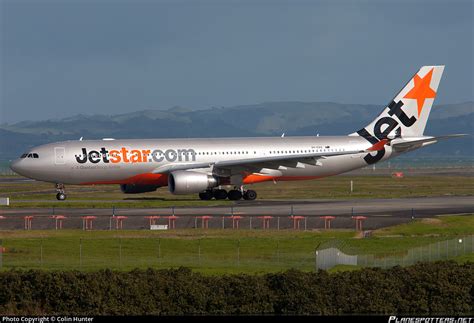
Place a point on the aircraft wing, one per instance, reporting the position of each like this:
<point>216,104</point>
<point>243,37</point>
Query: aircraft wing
<point>250,164</point>
<point>404,144</point>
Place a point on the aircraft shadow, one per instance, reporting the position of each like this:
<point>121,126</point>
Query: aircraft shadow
<point>157,199</point>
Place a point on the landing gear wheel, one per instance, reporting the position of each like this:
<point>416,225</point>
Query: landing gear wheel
<point>206,195</point>
<point>220,194</point>
<point>61,195</point>
<point>234,195</point>
<point>250,195</point>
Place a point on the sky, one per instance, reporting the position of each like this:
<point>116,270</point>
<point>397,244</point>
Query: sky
<point>66,57</point>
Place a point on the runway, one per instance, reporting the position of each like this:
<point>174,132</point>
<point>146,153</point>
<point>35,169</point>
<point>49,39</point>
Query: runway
<point>16,180</point>
<point>379,213</point>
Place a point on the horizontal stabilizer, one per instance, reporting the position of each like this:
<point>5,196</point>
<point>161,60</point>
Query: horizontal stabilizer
<point>405,144</point>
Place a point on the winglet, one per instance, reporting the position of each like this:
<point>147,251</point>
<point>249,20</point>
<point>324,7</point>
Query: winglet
<point>378,146</point>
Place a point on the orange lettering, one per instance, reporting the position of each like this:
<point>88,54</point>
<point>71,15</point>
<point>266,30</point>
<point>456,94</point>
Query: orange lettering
<point>115,157</point>
<point>124,155</point>
<point>145,155</point>
<point>136,156</point>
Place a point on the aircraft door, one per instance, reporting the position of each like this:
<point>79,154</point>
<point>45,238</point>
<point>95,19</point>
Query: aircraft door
<point>59,155</point>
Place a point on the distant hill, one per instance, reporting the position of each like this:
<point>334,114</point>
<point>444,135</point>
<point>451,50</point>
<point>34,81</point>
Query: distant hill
<point>265,119</point>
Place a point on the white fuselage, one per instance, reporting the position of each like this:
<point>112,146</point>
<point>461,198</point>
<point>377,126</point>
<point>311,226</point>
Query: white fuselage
<point>128,161</point>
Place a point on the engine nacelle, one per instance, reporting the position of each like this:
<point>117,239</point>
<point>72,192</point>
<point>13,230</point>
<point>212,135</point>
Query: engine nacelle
<point>137,188</point>
<point>184,182</point>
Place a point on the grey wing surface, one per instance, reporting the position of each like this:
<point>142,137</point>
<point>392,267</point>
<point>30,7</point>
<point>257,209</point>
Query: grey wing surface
<point>255,164</point>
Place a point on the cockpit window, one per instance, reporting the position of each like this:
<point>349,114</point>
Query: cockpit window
<point>30,155</point>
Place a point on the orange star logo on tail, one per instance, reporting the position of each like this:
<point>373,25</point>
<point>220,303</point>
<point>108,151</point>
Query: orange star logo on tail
<point>421,90</point>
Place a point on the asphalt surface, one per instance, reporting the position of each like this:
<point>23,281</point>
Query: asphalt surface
<point>379,213</point>
<point>15,180</point>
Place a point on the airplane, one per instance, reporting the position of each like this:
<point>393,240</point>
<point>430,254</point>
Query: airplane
<point>208,166</point>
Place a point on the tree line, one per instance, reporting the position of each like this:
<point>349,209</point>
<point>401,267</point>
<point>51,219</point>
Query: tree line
<point>441,288</point>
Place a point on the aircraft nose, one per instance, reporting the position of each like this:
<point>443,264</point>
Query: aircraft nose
<point>16,166</point>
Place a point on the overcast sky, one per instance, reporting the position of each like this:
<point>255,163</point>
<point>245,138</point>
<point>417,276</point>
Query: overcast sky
<point>61,58</point>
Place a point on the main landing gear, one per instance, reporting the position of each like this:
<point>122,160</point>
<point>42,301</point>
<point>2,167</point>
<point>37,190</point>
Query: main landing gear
<point>233,195</point>
<point>61,195</point>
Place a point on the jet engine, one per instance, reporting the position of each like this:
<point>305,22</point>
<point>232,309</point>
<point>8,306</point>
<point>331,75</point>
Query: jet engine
<point>137,188</point>
<point>184,182</point>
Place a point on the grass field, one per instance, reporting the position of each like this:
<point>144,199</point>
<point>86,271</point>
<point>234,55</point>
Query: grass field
<point>217,251</point>
<point>39,194</point>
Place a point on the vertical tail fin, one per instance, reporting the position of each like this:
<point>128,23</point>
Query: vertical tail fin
<point>408,112</point>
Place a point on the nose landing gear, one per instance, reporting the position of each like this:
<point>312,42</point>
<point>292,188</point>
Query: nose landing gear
<point>61,195</point>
